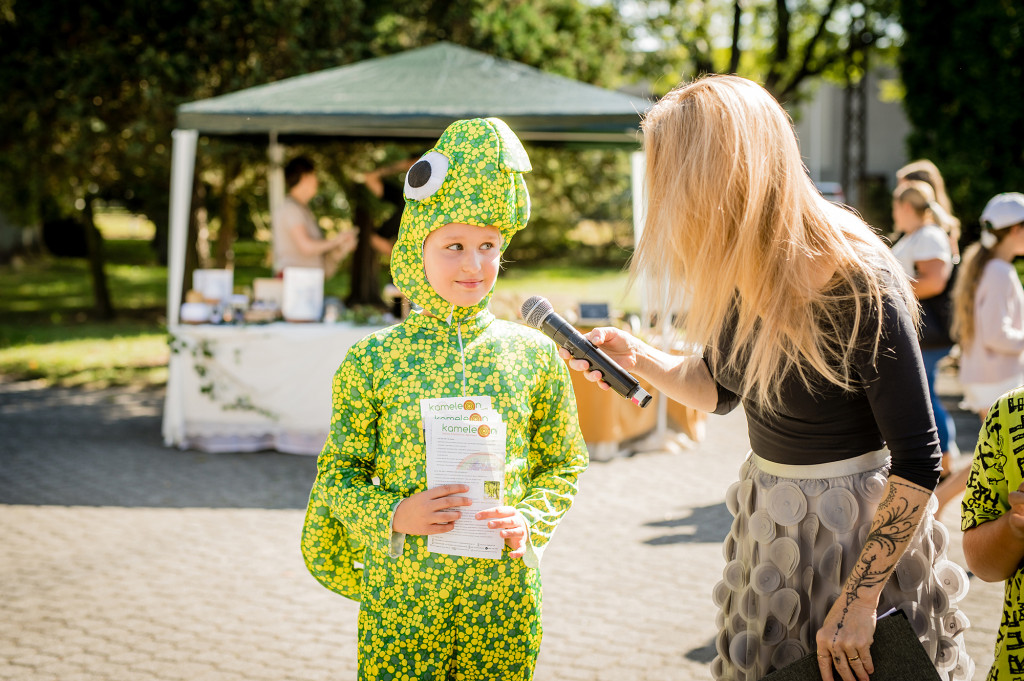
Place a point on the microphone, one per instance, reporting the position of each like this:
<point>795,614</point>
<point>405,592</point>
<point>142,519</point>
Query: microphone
<point>538,313</point>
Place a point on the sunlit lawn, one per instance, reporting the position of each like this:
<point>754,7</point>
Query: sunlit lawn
<point>48,332</point>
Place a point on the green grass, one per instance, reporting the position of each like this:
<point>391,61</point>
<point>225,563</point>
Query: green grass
<point>48,331</point>
<point>108,356</point>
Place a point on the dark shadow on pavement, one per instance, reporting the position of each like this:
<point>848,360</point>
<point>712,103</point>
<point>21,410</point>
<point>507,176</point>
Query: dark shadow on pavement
<point>70,447</point>
<point>704,654</point>
<point>710,525</point>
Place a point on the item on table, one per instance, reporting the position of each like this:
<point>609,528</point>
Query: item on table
<point>332,310</point>
<point>196,312</point>
<point>303,294</point>
<point>214,285</point>
<point>234,308</point>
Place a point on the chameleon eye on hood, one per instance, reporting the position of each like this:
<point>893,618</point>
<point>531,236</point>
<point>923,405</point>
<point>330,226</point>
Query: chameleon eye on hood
<point>426,176</point>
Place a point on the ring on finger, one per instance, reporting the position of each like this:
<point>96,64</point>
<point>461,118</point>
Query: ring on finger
<point>854,658</point>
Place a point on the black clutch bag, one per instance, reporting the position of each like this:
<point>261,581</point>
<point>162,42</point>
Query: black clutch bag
<point>896,652</point>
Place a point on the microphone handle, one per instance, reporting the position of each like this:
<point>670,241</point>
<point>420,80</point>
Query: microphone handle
<point>620,380</point>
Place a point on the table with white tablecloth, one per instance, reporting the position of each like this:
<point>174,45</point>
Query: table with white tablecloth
<point>253,387</point>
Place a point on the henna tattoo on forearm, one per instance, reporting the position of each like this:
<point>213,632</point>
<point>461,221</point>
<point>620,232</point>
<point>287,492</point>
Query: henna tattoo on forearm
<point>897,525</point>
<point>863,576</point>
<point>897,519</point>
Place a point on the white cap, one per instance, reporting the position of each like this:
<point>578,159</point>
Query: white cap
<point>1004,210</point>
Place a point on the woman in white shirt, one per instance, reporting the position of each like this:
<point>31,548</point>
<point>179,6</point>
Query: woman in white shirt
<point>926,251</point>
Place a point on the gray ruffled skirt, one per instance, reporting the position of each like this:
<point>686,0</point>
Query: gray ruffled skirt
<point>796,534</point>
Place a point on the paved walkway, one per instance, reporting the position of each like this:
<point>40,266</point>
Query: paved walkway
<point>124,560</point>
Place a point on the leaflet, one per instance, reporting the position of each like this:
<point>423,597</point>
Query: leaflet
<point>468,451</point>
<point>453,408</point>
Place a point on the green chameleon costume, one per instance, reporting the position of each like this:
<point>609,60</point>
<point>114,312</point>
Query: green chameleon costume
<point>427,615</point>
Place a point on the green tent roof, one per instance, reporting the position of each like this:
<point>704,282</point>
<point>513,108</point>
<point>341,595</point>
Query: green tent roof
<point>416,94</point>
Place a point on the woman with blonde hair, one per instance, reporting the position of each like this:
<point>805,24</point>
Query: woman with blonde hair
<point>926,251</point>
<point>809,322</point>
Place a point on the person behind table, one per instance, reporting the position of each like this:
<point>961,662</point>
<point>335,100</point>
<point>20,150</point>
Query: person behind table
<point>808,320</point>
<point>992,519</point>
<point>297,239</point>
<point>386,185</point>
<point>427,615</point>
<point>925,250</point>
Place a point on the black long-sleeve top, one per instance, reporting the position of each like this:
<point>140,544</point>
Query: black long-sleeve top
<point>888,407</point>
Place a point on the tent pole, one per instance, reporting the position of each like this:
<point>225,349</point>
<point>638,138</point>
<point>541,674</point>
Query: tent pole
<point>183,165</point>
<point>275,174</point>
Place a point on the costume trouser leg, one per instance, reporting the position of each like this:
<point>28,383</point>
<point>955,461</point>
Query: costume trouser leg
<point>400,643</point>
<point>498,623</point>
<point>482,624</point>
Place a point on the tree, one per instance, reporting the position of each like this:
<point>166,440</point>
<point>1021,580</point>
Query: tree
<point>962,64</point>
<point>90,90</point>
<point>780,44</point>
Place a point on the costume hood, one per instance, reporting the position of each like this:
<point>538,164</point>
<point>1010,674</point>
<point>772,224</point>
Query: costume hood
<point>472,176</point>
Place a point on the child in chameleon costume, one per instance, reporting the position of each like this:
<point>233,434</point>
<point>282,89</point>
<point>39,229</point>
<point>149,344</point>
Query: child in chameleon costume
<point>428,615</point>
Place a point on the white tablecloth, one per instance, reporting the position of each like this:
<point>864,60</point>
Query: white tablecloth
<point>250,388</point>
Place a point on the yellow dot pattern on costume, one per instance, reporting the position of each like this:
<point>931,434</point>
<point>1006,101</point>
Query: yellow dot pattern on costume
<point>426,615</point>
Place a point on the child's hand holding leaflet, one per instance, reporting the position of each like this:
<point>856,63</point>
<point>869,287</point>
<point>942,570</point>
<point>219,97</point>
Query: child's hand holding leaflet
<point>466,445</point>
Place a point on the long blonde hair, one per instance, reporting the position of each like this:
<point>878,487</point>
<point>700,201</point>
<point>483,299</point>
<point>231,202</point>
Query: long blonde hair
<point>923,170</point>
<point>920,196</point>
<point>734,224</point>
<point>966,286</point>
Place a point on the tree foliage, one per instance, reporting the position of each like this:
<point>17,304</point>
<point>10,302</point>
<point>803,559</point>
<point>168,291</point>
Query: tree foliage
<point>91,89</point>
<point>780,44</point>
<point>963,65</point>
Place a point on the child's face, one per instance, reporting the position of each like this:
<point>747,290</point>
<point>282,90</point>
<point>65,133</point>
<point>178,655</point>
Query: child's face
<point>461,262</point>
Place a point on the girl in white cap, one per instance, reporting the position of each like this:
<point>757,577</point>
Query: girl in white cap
<point>993,508</point>
<point>989,306</point>
<point>988,317</point>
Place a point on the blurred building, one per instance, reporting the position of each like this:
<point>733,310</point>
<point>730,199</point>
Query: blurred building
<point>859,144</point>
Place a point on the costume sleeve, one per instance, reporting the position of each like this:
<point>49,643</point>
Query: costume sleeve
<point>996,329</point>
<point>987,492</point>
<point>897,391</point>
<point>557,454</point>
<point>345,468</point>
